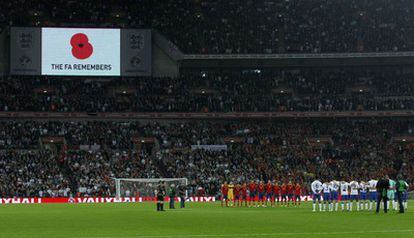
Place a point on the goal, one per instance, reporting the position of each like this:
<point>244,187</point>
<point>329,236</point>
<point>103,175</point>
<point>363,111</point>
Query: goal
<point>137,187</point>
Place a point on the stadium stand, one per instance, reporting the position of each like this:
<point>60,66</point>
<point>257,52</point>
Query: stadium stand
<point>91,152</point>
<point>237,27</point>
<point>369,89</point>
<point>281,150</point>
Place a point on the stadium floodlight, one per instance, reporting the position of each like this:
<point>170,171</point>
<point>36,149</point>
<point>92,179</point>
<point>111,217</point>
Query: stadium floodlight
<point>144,187</point>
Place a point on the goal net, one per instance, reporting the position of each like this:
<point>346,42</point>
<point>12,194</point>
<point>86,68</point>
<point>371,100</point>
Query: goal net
<point>131,187</point>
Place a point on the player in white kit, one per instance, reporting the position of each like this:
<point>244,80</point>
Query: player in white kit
<point>354,187</point>
<point>344,188</point>
<point>363,190</point>
<point>326,196</point>
<point>316,187</point>
<point>372,184</point>
<point>334,188</point>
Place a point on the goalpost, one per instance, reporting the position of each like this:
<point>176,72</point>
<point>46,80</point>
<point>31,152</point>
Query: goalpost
<point>134,187</point>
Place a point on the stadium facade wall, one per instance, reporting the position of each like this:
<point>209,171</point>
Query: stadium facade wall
<point>187,116</point>
<point>255,61</point>
<point>165,56</point>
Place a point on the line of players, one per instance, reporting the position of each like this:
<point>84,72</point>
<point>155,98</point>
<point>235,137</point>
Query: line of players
<point>333,193</point>
<point>259,194</point>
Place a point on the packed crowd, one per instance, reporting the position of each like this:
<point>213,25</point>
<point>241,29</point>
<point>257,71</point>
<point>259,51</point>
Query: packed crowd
<point>234,27</point>
<point>280,152</point>
<point>94,171</point>
<point>211,91</point>
<point>266,150</point>
<point>31,174</point>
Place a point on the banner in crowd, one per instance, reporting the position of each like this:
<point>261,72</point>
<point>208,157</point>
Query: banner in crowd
<point>209,147</point>
<point>90,147</point>
<point>4,201</point>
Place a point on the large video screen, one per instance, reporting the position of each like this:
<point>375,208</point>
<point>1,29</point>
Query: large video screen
<point>80,51</point>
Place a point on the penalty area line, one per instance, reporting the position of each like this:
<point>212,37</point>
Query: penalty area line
<point>256,235</point>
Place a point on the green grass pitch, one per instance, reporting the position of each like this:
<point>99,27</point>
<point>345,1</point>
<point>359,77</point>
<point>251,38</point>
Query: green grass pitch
<point>198,220</point>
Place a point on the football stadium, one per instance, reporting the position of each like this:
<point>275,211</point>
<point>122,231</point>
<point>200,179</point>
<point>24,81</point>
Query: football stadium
<point>206,118</point>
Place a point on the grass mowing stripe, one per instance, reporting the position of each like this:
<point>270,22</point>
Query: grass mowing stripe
<point>198,220</point>
<point>257,235</point>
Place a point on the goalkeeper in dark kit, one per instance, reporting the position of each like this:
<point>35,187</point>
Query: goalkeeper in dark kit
<point>160,193</point>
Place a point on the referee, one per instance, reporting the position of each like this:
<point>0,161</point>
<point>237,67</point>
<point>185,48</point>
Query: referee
<point>171,194</point>
<point>382,187</point>
<point>181,192</point>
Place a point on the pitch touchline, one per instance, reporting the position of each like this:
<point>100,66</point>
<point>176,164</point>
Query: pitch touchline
<point>255,235</point>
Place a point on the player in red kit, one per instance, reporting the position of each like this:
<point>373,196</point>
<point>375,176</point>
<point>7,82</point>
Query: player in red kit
<point>237,195</point>
<point>298,191</point>
<point>283,194</point>
<point>269,192</point>
<point>276,192</point>
<point>261,190</point>
<point>244,194</point>
<point>252,193</point>
<point>290,191</point>
<point>224,190</point>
